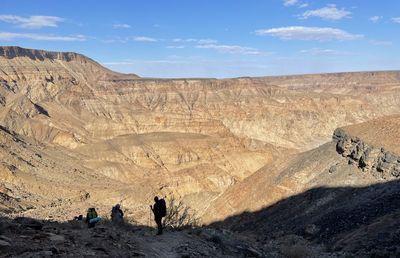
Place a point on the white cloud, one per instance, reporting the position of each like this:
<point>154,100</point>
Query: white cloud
<point>324,52</point>
<point>12,36</point>
<point>184,40</point>
<point>116,40</point>
<point>192,40</point>
<point>231,49</point>
<point>206,41</point>
<point>308,33</point>
<point>176,47</point>
<point>121,26</point>
<point>297,3</point>
<point>138,62</point>
<point>144,39</point>
<point>381,43</point>
<point>396,19</point>
<point>330,12</point>
<point>375,19</point>
<point>289,2</point>
<point>32,22</point>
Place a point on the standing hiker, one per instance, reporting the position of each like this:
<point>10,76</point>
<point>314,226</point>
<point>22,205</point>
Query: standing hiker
<point>159,210</point>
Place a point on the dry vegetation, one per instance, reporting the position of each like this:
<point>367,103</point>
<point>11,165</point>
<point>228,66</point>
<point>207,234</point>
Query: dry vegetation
<point>180,216</point>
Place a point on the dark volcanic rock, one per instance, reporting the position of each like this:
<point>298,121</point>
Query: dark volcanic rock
<point>377,161</point>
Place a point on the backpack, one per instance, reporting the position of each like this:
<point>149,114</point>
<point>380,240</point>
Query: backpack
<point>163,208</point>
<point>92,213</point>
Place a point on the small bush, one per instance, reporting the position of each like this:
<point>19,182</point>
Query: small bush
<point>180,216</point>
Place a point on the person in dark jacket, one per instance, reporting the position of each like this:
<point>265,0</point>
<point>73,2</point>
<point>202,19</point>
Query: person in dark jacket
<point>117,215</point>
<point>158,214</point>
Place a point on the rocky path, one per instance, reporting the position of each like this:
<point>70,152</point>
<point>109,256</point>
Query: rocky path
<point>23,237</point>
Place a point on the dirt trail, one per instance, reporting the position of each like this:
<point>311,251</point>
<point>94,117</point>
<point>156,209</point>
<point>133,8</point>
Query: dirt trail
<point>24,237</point>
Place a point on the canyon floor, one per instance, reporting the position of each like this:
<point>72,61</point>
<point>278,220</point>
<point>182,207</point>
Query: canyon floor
<point>303,165</point>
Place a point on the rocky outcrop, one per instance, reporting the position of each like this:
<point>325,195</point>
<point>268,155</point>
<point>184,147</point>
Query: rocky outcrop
<point>369,158</point>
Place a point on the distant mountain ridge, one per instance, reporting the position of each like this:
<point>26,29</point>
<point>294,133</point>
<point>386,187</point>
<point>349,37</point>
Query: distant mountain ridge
<point>11,52</point>
<point>35,54</point>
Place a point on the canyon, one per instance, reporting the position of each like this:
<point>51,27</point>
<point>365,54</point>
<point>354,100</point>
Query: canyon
<point>74,134</point>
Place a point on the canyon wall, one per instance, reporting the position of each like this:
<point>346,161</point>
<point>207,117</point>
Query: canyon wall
<point>200,140</point>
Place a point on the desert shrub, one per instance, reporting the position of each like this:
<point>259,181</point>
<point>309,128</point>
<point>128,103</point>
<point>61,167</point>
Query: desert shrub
<point>180,216</point>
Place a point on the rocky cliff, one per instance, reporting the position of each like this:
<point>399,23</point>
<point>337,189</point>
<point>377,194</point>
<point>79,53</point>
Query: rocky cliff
<point>370,159</point>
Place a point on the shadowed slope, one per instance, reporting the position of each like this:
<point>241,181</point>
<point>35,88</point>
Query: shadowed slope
<point>25,237</point>
<point>363,220</point>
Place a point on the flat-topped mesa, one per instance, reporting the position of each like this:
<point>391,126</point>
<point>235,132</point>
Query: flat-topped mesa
<point>21,64</point>
<point>11,52</point>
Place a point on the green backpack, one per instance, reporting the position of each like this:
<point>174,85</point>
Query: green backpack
<point>91,213</point>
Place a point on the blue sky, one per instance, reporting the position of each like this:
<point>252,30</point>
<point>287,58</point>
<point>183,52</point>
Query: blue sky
<point>212,38</point>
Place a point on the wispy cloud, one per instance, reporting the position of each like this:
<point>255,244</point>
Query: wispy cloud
<point>176,47</point>
<point>290,2</point>
<point>206,41</point>
<point>192,40</point>
<point>381,43</point>
<point>115,40</point>
<point>323,52</point>
<point>375,19</point>
<point>231,49</point>
<point>396,19</point>
<point>297,3</point>
<point>329,12</point>
<point>190,67</point>
<point>39,37</point>
<point>184,40</point>
<point>144,39</point>
<point>308,33</point>
<point>32,22</point>
<point>121,26</point>
<point>138,62</point>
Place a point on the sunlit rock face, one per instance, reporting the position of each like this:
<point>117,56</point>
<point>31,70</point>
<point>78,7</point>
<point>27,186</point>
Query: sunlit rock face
<point>359,156</point>
<point>197,139</point>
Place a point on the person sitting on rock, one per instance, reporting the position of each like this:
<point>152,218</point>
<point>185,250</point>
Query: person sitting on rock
<point>117,215</point>
<point>92,218</point>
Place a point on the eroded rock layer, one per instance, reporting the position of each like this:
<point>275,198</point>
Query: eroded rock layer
<point>201,140</point>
